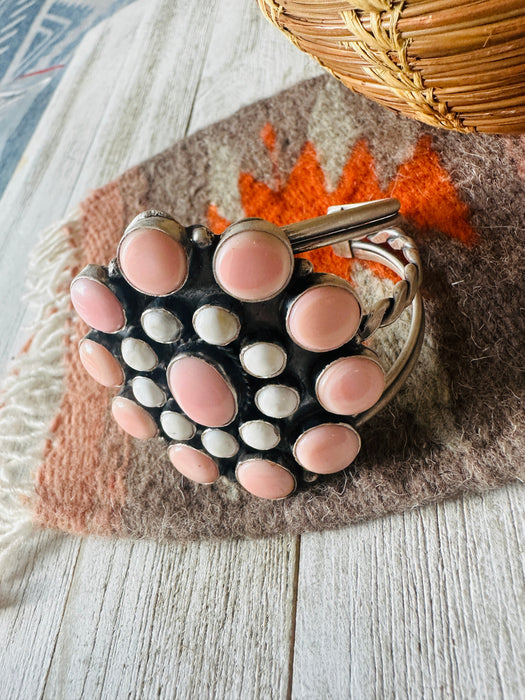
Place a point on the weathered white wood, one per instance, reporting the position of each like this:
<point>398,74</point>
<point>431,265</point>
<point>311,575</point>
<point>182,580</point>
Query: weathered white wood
<point>425,604</point>
<point>244,649</point>
<point>33,596</point>
<point>421,605</point>
<point>206,620</point>
<point>138,82</point>
<point>104,118</point>
<point>150,104</point>
<point>247,61</point>
<point>40,191</point>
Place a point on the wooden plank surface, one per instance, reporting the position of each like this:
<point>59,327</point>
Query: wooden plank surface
<point>176,621</point>
<point>427,604</point>
<point>80,614</point>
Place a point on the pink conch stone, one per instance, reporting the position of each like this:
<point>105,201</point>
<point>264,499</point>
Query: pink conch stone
<point>194,464</point>
<point>324,318</point>
<point>350,385</point>
<point>100,363</point>
<point>253,265</point>
<point>153,262</point>
<point>265,479</point>
<point>132,418</point>
<point>97,305</point>
<point>202,392</point>
<point>328,448</point>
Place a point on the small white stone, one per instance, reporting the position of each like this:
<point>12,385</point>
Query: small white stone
<point>147,392</point>
<point>277,400</point>
<point>177,426</point>
<point>216,325</point>
<point>220,443</point>
<point>264,360</point>
<point>260,434</point>
<point>161,325</point>
<point>138,354</point>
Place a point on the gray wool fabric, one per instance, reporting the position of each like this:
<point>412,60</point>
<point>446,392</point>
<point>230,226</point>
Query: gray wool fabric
<point>458,424</point>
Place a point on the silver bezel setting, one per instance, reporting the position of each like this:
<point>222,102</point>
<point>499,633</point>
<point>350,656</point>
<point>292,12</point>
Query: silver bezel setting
<point>208,431</point>
<point>97,273</point>
<point>182,415</point>
<point>217,306</point>
<point>151,310</point>
<point>216,367</point>
<point>255,458</point>
<point>364,352</point>
<point>158,221</point>
<point>320,425</point>
<point>247,347</point>
<point>280,386</point>
<point>176,443</point>
<point>260,226</point>
<point>275,429</point>
<point>139,340</point>
<point>113,386</point>
<point>332,281</point>
<point>155,405</point>
<point>363,231</point>
<point>143,408</point>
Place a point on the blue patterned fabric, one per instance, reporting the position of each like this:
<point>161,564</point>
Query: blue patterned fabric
<point>37,39</point>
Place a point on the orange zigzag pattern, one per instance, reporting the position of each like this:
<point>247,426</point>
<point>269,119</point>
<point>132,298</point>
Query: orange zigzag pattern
<point>422,185</point>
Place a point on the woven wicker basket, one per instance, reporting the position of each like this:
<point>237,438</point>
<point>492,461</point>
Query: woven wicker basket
<point>458,64</point>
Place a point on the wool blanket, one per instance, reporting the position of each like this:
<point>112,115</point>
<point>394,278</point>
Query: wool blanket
<point>457,425</point>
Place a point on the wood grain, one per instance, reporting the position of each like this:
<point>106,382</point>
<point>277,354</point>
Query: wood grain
<point>247,61</point>
<point>424,604</point>
<point>209,618</point>
<point>427,604</point>
<point>218,616</point>
<point>33,597</point>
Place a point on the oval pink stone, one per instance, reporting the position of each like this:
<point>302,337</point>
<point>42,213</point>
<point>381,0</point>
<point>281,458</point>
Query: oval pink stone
<point>350,385</point>
<point>324,318</point>
<point>194,464</point>
<point>202,392</point>
<point>265,479</point>
<point>327,448</point>
<point>100,363</point>
<point>97,305</point>
<point>253,265</point>
<point>153,262</point>
<point>132,418</point>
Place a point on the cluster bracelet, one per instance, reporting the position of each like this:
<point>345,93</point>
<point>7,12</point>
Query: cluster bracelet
<point>246,361</point>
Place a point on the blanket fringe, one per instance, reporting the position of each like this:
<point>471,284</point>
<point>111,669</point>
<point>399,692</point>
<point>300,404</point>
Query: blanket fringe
<point>33,386</point>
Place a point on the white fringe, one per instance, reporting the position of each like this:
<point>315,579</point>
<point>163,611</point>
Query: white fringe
<point>33,387</point>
